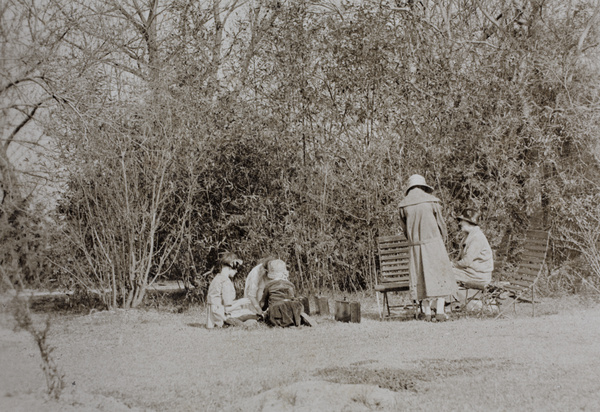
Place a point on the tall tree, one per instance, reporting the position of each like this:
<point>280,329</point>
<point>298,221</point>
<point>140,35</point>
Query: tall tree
<point>31,34</point>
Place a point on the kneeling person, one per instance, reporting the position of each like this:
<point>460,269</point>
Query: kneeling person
<point>279,297</point>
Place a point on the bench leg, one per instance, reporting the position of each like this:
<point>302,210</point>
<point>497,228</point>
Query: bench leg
<point>532,301</point>
<point>469,298</point>
<point>387,303</point>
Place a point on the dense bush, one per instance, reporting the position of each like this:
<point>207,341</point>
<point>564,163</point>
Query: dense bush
<point>28,239</point>
<point>292,130</point>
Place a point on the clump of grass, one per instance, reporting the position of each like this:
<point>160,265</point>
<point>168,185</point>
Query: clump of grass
<point>54,379</point>
<point>407,380</point>
<point>289,396</point>
<point>392,379</point>
<point>361,397</point>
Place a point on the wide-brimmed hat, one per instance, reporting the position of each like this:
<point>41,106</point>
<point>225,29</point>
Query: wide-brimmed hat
<point>471,216</point>
<point>417,180</point>
<point>276,269</point>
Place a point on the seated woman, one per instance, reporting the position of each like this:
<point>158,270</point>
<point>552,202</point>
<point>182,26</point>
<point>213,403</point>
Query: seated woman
<point>222,306</point>
<point>278,300</point>
<point>255,284</point>
<point>475,262</point>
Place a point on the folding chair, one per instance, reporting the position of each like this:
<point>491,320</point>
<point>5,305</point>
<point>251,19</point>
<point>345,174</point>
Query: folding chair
<point>488,294</point>
<point>393,270</point>
<point>531,263</point>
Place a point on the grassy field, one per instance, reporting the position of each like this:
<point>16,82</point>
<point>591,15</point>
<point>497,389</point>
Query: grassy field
<point>159,360</point>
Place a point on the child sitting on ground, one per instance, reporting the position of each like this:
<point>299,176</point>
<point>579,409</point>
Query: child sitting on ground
<point>222,306</point>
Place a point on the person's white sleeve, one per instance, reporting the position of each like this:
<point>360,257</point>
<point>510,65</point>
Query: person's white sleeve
<point>228,293</point>
<point>214,296</point>
<point>252,282</point>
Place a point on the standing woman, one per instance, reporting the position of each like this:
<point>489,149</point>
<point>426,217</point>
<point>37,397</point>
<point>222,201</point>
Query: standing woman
<point>431,275</point>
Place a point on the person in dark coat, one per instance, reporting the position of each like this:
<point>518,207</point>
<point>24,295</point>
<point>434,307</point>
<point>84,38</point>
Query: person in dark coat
<point>430,270</point>
<point>279,297</point>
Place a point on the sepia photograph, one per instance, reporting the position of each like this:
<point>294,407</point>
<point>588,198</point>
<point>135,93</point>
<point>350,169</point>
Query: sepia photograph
<point>299,205</point>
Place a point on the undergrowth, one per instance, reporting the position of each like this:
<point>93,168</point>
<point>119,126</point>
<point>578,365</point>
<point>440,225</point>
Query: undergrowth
<point>54,379</point>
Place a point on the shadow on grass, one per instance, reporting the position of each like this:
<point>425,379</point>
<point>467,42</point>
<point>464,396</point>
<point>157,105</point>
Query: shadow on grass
<point>395,316</point>
<point>79,304</point>
<point>197,325</point>
<point>399,380</point>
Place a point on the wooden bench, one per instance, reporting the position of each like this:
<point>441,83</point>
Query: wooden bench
<point>393,270</point>
<point>531,262</point>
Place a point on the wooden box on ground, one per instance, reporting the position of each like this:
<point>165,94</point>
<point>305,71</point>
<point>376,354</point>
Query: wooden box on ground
<point>322,305</point>
<point>305,304</point>
<point>346,311</point>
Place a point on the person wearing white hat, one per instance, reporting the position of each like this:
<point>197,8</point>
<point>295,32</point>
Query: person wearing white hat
<point>430,270</point>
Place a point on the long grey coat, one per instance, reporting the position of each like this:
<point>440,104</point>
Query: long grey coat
<point>430,269</point>
<point>476,259</point>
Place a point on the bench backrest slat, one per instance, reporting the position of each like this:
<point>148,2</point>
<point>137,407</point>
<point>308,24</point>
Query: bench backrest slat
<point>393,258</point>
<point>394,280</point>
<point>517,282</point>
<point>531,261</point>
<point>537,234</point>
<point>525,278</point>
<point>528,272</point>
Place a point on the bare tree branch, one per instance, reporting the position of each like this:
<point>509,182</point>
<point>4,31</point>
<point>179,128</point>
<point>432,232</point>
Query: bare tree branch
<point>587,28</point>
<point>489,17</point>
<point>28,118</point>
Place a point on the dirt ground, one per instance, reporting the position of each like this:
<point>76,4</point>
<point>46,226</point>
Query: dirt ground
<point>158,360</point>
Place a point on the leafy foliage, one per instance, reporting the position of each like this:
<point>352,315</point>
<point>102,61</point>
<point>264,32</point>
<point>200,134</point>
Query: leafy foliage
<point>289,129</point>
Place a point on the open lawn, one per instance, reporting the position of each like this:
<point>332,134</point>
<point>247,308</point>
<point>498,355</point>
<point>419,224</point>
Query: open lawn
<point>158,360</point>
